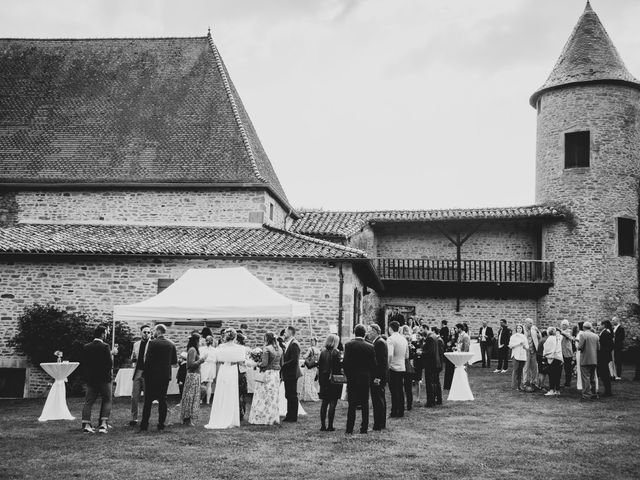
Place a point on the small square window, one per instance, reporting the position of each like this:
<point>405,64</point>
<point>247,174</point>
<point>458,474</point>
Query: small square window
<point>164,283</point>
<point>626,237</point>
<point>576,149</point>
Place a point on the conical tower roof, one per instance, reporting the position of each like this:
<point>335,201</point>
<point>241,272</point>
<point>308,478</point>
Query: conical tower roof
<point>588,56</point>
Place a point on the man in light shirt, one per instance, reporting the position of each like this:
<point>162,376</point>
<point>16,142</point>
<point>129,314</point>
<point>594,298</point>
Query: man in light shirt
<point>398,352</point>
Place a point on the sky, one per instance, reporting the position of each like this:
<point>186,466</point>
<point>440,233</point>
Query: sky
<point>371,104</point>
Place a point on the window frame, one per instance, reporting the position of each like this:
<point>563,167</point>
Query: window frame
<point>571,141</point>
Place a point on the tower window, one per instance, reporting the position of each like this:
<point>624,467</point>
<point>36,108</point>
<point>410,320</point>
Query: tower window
<point>626,237</point>
<point>271,211</point>
<point>576,149</point>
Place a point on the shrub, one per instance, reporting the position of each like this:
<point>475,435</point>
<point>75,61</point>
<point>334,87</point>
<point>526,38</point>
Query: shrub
<point>43,329</point>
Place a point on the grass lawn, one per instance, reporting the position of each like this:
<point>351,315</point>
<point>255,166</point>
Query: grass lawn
<point>502,434</point>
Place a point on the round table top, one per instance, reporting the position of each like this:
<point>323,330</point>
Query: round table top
<point>59,371</point>
<point>459,358</point>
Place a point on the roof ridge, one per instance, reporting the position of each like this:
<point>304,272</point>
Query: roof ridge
<point>317,240</point>
<point>80,39</point>
<point>234,107</point>
<point>322,212</point>
<point>116,223</point>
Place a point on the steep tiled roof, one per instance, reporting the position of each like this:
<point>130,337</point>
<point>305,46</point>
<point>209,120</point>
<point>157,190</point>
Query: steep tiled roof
<point>588,56</point>
<point>168,240</point>
<point>345,224</point>
<point>125,111</point>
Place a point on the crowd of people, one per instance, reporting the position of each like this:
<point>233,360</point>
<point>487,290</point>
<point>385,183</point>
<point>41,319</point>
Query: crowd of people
<point>540,357</point>
<point>408,357</point>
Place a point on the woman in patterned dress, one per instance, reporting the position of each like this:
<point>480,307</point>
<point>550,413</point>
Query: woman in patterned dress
<point>190,403</point>
<point>264,408</point>
<point>310,373</point>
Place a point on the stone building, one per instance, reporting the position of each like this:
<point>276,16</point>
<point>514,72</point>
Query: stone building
<point>125,162</point>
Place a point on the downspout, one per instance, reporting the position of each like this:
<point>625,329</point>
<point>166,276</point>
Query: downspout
<point>340,301</point>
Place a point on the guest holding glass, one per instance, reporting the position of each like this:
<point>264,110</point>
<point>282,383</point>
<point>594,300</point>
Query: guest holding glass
<point>329,364</point>
<point>519,346</point>
<point>265,408</point>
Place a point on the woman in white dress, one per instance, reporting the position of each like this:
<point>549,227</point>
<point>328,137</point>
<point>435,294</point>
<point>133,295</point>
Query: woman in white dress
<point>208,368</point>
<point>310,372</point>
<point>225,408</point>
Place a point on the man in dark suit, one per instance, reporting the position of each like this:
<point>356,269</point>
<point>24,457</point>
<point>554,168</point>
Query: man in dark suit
<point>504,335</point>
<point>485,337</point>
<point>618,345</point>
<point>161,355</point>
<point>359,366</point>
<point>96,363</point>
<point>137,361</point>
<point>444,332</point>
<point>290,373</point>
<point>380,377</point>
<point>605,356</point>
<point>432,363</point>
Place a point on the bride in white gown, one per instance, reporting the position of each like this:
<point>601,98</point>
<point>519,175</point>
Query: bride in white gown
<point>225,408</point>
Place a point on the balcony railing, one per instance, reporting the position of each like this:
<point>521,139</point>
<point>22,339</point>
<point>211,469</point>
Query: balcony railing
<point>476,271</point>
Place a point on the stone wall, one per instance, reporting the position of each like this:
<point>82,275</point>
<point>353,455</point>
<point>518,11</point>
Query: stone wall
<point>177,206</point>
<point>95,285</point>
<point>495,240</point>
<point>591,281</point>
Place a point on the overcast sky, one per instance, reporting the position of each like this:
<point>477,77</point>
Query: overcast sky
<point>371,104</point>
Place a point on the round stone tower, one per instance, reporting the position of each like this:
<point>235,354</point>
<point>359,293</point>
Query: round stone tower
<point>588,162</point>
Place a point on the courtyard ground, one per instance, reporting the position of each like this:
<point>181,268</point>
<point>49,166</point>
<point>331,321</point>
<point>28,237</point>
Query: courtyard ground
<point>501,434</point>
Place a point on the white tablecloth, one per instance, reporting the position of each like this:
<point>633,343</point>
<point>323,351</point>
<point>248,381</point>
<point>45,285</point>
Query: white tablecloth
<point>474,348</point>
<point>55,408</point>
<point>124,383</point>
<point>460,389</point>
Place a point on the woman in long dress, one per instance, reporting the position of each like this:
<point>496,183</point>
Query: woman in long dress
<point>264,407</point>
<point>225,408</point>
<point>190,402</point>
<point>310,372</point>
<point>208,368</point>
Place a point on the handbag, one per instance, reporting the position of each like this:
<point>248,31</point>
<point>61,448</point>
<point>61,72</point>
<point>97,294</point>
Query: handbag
<point>260,377</point>
<point>310,361</point>
<point>337,378</point>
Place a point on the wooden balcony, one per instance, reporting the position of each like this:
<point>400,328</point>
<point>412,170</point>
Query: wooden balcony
<point>528,277</point>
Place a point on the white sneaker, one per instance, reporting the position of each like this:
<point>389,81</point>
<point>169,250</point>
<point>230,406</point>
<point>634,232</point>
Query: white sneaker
<point>549,393</point>
<point>557,393</point>
<point>496,370</point>
<point>88,429</point>
<point>503,371</point>
<point>618,378</point>
<point>102,429</point>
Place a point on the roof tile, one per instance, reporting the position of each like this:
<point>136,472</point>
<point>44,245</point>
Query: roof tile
<point>168,240</point>
<point>346,224</point>
<point>139,111</point>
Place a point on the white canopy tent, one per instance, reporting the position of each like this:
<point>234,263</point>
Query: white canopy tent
<point>213,293</point>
